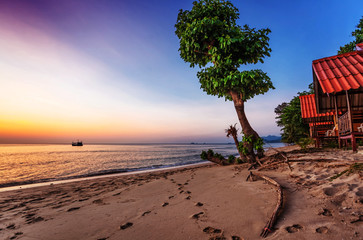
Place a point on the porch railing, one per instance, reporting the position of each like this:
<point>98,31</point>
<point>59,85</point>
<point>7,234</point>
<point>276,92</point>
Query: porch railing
<point>344,124</point>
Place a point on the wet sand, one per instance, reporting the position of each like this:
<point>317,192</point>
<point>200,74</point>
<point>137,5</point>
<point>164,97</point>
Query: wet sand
<point>203,202</point>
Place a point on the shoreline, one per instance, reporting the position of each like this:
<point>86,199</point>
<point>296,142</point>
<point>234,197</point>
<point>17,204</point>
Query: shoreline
<point>106,175</point>
<point>99,173</point>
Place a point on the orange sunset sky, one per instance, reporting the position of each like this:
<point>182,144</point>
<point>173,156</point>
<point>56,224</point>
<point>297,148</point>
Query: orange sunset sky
<point>110,71</point>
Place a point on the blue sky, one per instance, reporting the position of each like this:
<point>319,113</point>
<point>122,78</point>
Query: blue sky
<point>110,71</point>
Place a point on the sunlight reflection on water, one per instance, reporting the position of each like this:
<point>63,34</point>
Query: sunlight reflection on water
<point>21,164</point>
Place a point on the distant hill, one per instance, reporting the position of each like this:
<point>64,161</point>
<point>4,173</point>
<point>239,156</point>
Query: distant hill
<point>272,138</point>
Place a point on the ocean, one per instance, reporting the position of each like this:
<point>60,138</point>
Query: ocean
<point>33,163</point>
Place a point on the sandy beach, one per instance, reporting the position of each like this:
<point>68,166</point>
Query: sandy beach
<point>203,202</point>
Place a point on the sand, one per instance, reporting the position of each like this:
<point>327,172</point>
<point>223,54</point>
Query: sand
<point>203,202</point>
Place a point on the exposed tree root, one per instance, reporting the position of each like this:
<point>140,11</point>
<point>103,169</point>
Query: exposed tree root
<point>313,160</point>
<point>278,208</point>
<point>269,165</point>
<point>284,155</point>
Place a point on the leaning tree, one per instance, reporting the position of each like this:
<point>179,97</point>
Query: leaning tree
<point>211,40</point>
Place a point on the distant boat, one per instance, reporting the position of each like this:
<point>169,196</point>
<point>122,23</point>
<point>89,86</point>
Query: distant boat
<point>78,143</point>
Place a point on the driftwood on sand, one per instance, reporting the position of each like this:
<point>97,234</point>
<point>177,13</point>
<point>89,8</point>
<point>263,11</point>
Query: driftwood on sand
<point>278,208</point>
<point>276,159</point>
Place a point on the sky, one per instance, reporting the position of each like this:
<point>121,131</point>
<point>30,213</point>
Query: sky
<point>109,71</point>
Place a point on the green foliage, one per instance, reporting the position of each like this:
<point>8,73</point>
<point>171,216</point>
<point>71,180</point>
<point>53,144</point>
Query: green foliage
<point>289,118</point>
<point>304,142</point>
<point>219,81</point>
<point>239,161</point>
<point>231,159</point>
<point>258,144</point>
<point>358,35</point>
<point>208,154</point>
<point>247,139</point>
<point>204,155</point>
<point>209,35</point>
<point>242,149</point>
<point>219,156</point>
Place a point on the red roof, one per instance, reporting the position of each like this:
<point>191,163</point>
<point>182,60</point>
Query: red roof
<point>308,107</point>
<point>340,72</point>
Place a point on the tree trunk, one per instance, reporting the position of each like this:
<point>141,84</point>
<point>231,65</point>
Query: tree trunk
<point>246,127</point>
<point>237,145</point>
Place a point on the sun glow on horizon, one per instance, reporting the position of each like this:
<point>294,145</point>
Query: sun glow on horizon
<point>52,90</point>
<point>110,71</point>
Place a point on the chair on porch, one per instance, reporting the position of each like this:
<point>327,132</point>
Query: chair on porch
<point>360,128</point>
<point>331,132</point>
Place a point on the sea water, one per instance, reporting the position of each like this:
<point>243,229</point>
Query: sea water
<point>33,163</point>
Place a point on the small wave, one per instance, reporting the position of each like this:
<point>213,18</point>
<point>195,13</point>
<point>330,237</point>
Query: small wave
<point>97,173</point>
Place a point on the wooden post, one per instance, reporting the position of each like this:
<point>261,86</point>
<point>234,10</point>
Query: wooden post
<point>349,111</point>
<point>337,118</point>
<point>354,144</point>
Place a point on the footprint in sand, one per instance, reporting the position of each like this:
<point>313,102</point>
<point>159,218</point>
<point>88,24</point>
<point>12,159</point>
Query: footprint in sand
<point>16,235</point>
<point>294,228</point>
<point>199,204</point>
<point>145,213</point>
<point>322,230</point>
<point>236,238</point>
<point>211,230</point>
<point>34,220</point>
<point>218,238</point>
<point>357,219</point>
<point>188,198</point>
<point>330,191</point>
<point>337,200</point>
<point>72,209</point>
<point>98,201</point>
<point>359,193</point>
<point>126,225</point>
<point>11,226</point>
<point>165,204</point>
<point>196,216</point>
<point>325,212</point>
<point>83,199</point>
<point>29,215</point>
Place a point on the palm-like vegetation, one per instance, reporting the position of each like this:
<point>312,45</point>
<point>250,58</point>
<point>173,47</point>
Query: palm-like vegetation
<point>233,131</point>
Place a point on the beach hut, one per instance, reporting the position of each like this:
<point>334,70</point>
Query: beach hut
<point>322,125</point>
<point>338,86</point>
